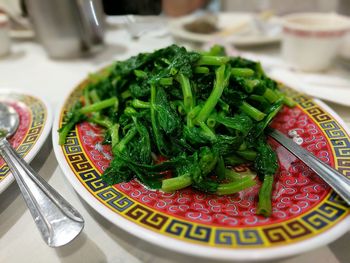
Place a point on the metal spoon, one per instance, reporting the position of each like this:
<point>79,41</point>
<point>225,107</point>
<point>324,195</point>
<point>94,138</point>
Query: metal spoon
<point>57,221</point>
<point>332,177</point>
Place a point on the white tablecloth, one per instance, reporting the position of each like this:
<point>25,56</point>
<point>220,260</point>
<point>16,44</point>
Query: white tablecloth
<point>28,68</point>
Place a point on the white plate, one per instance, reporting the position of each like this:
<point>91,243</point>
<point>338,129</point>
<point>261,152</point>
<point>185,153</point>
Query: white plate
<point>236,28</point>
<point>306,216</point>
<point>35,125</point>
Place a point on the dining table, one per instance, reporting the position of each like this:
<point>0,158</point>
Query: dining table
<point>28,68</point>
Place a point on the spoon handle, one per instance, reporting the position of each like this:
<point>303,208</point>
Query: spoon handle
<point>57,221</point>
<point>332,177</point>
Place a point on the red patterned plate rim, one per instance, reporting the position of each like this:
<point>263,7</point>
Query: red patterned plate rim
<point>325,221</point>
<point>35,125</point>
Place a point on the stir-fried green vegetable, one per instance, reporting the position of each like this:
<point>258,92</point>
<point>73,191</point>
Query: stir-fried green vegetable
<point>200,113</point>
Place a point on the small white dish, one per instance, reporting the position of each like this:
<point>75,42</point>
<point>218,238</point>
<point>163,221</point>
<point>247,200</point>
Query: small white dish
<point>35,125</point>
<point>236,28</point>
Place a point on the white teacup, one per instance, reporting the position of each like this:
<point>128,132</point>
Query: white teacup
<point>311,40</point>
<point>4,35</point>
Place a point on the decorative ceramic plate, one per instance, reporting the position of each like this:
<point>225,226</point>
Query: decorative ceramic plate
<point>235,28</point>
<point>306,212</point>
<point>34,127</point>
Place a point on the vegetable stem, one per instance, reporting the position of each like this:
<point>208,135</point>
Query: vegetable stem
<point>232,175</point>
<point>242,72</point>
<point>264,204</point>
<point>271,96</point>
<point>186,91</point>
<point>252,112</point>
<point>130,111</point>
<point>224,106</point>
<point>251,84</point>
<point>176,183</point>
<point>140,73</point>
<point>211,121</point>
<point>181,109</point>
<point>166,81</point>
<point>104,122</point>
<point>289,101</point>
<point>94,96</point>
<point>212,60</point>
<point>126,94</point>
<point>220,169</point>
<point>64,133</point>
<point>221,82</point>
<point>86,93</point>
<point>235,186</point>
<point>201,70</point>
<point>259,98</point>
<point>115,134</point>
<point>215,50</point>
<point>124,141</point>
<point>136,103</point>
<point>234,160</point>
<point>247,154</point>
<point>97,106</point>
<point>193,113</point>
<point>286,99</point>
<point>207,131</point>
<point>155,128</point>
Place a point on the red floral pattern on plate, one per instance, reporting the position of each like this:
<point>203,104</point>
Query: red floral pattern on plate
<point>297,189</point>
<point>23,127</point>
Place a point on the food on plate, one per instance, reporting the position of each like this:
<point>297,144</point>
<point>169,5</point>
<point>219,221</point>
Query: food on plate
<point>176,118</point>
<point>202,25</point>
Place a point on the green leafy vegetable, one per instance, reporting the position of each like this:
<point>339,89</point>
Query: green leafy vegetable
<point>201,112</point>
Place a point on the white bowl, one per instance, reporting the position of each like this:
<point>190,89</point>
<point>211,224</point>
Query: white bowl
<point>311,40</point>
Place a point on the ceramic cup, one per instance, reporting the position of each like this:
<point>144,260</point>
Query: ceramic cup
<point>311,40</point>
<point>4,35</point>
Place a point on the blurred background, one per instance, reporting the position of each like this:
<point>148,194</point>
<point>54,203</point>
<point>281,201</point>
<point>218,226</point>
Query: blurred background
<point>148,7</point>
<point>26,16</point>
<point>52,19</point>
<point>47,47</point>
<point>105,30</point>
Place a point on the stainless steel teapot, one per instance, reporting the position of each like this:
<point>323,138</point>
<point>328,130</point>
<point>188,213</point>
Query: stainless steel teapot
<point>68,28</point>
